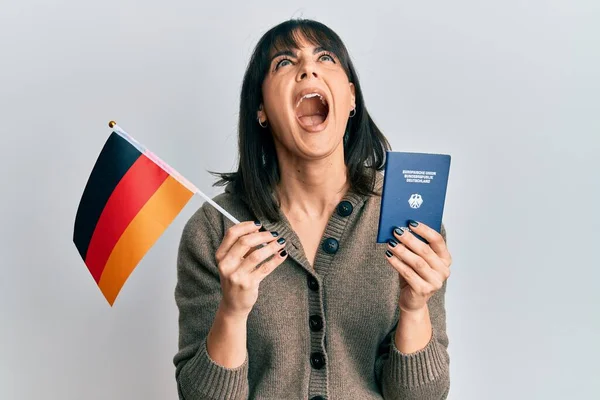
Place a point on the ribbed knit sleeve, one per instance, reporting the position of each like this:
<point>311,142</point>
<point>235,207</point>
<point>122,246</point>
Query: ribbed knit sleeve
<point>423,375</point>
<point>197,295</point>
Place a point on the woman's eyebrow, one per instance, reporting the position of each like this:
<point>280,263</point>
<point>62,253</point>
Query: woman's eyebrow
<point>283,53</point>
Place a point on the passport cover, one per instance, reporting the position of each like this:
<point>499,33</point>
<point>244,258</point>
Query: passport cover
<point>414,187</point>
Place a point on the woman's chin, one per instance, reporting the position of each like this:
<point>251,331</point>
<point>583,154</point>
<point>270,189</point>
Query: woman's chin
<point>318,145</point>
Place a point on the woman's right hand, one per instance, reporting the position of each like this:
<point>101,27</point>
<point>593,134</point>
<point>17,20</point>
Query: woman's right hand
<point>237,258</point>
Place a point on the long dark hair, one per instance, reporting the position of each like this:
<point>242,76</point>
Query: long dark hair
<point>258,170</point>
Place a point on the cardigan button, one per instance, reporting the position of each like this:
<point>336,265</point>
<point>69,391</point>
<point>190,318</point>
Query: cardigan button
<point>330,246</point>
<point>317,360</point>
<point>315,322</point>
<point>345,208</point>
<point>312,282</point>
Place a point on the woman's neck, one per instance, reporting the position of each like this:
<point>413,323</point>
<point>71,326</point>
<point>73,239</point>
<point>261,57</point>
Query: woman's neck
<point>312,189</point>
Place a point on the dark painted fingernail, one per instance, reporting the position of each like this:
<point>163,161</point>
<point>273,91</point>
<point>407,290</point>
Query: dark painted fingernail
<point>257,223</point>
<point>388,253</point>
<point>412,223</point>
<point>275,234</point>
<point>283,253</point>
<point>393,243</point>
<point>398,231</point>
<point>281,240</point>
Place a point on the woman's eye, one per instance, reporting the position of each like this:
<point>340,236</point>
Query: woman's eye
<point>282,63</point>
<point>326,57</point>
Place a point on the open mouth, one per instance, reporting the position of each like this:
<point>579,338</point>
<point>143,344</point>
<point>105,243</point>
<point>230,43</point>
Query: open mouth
<point>312,110</point>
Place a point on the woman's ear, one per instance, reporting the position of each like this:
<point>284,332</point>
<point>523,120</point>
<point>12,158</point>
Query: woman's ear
<point>261,116</point>
<point>353,97</point>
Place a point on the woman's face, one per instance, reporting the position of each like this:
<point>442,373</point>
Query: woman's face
<point>307,101</point>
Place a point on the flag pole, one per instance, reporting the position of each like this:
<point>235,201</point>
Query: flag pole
<point>113,125</point>
<point>218,207</point>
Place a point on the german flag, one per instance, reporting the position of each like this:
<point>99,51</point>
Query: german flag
<point>130,198</point>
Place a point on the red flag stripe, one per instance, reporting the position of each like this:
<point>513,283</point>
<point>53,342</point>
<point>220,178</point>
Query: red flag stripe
<point>133,191</point>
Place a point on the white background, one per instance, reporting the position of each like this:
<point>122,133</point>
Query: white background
<point>508,88</point>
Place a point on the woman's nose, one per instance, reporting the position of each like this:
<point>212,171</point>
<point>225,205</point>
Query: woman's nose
<point>307,70</point>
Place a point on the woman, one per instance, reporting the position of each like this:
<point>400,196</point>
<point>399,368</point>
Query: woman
<point>298,301</point>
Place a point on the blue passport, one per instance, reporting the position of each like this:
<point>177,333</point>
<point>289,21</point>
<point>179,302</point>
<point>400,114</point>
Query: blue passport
<point>414,187</point>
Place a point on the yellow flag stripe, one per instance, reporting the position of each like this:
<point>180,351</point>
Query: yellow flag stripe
<point>141,234</point>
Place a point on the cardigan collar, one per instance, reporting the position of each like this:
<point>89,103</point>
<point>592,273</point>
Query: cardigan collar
<point>335,227</point>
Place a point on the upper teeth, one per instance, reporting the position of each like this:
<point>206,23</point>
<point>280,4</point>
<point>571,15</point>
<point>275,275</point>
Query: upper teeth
<point>307,96</point>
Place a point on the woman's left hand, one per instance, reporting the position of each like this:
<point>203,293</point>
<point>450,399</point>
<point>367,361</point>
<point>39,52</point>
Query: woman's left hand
<point>423,267</point>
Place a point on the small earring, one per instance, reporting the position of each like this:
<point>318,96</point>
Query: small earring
<point>263,126</point>
<point>353,112</point>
